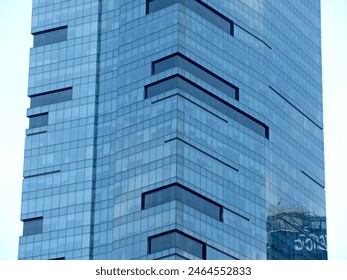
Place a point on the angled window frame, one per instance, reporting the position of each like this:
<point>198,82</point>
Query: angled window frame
<point>189,65</point>
<point>175,82</point>
<point>202,203</point>
<point>199,7</point>
<point>177,239</point>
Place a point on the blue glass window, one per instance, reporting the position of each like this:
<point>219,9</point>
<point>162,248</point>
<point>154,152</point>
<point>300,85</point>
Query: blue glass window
<point>38,120</point>
<point>181,83</point>
<point>214,254</point>
<point>33,226</point>
<point>184,195</point>
<point>179,60</point>
<point>177,239</point>
<point>198,7</point>
<point>50,36</point>
<point>51,97</point>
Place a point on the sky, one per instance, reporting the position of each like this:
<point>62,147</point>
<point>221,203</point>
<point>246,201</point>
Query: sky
<point>16,41</point>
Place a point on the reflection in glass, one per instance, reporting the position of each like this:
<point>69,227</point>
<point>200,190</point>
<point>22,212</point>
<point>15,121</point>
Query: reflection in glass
<point>294,234</point>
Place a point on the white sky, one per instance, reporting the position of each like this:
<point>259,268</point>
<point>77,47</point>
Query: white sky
<point>15,43</point>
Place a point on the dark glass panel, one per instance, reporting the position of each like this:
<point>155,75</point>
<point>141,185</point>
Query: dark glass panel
<point>179,240</point>
<point>184,195</point>
<point>179,60</point>
<point>38,120</point>
<point>50,36</point>
<point>51,97</point>
<point>33,226</point>
<point>198,7</point>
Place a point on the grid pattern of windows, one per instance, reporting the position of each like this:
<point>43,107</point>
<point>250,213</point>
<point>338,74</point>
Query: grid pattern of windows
<point>50,36</point>
<point>177,239</point>
<point>179,82</point>
<point>184,195</point>
<point>108,148</point>
<point>38,120</point>
<point>198,7</point>
<point>179,60</point>
<point>32,226</point>
<point>51,97</point>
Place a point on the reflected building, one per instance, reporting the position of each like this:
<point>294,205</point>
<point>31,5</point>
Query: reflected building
<point>172,129</point>
<point>294,234</point>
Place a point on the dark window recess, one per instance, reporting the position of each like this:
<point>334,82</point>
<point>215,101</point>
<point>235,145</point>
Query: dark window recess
<point>179,60</point>
<point>178,82</point>
<point>51,97</point>
<point>198,7</point>
<point>177,239</point>
<point>184,195</point>
<point>38,120</point>
<point>33,226</point>
<point>50,36</point>
<point>42,174</point>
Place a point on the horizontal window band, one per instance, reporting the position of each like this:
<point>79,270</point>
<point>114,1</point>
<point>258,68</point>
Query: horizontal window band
<point>32,226</point>
<point>198,7</point>
<point>296,108</point>
<point>180,60</point>
<point>38,120</point>
<point>262,41</point>
<point>50,92</point>
<point>185,195</point>
<point>177,81</point>
<point>205,153</point>
<point>49,30</point>
<point>42,174</point>
<point>315,181</point>
<point>223,17</point>
<point>51,97</point>
<point>176,239</point>
<point>163,200</point>
<point>196,104</point>
<point>50,36</point>
<point>180,240</point>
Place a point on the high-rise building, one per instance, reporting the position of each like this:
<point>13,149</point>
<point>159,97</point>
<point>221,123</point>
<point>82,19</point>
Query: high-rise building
<point>174,129</point>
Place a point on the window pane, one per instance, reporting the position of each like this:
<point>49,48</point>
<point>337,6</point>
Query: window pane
<point>38,120</point>
<point>50,36</point>
<point>33,226</point>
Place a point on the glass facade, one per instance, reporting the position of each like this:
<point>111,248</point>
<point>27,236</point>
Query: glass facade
<point>174,130</point>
